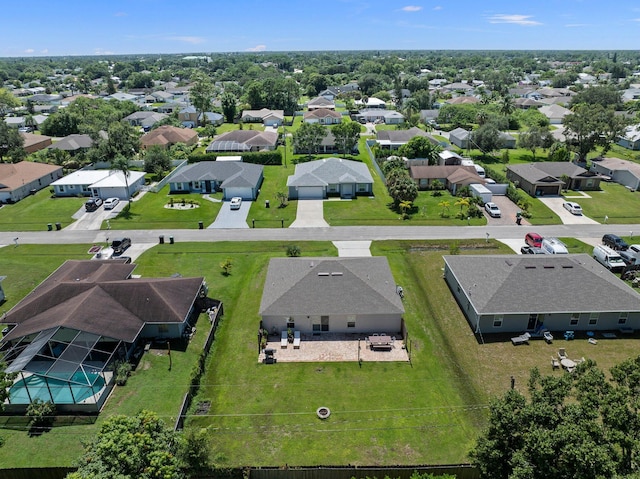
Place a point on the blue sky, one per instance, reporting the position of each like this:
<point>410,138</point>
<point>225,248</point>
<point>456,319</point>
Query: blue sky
<point>86,27</point>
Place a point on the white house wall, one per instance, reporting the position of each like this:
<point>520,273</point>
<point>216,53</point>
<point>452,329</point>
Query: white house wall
<point>365,324</point>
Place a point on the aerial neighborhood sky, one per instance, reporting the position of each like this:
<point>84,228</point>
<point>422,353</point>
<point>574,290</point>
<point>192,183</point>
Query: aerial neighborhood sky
<point>98,27</point>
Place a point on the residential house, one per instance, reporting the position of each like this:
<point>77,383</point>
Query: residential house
<point>626,173</point>
<point>371,103</point>
<point>394,139</point>
<point>330,177</point>
<point>99,183</point>
<point>322,116</point>
<point>546,178</point>
<point>463,100</point>
<point>15,121</point>
<point>66,335</point>
<point>526,103</point>
<point>188,116</point>
<point>631,138</point>
<point>234,178</point>
<point>379,115</point>
<point>33,143</point>
<point>244,140</point>
<point>460,87</point>
<point>331,295</point>
<point>18,180</point>
<point>429,116</point>
<point>452,177</point>
<point>321,102</point>
<point>122,96</point>
<point>144,119</point>
<point>555,113</point>
<point>331,92</point>
<point>517,293</point>
<point>73,144</point>
<point>460,138</point>
<point>265,116</point>
<point>508,140</point>
<point>167,136</point>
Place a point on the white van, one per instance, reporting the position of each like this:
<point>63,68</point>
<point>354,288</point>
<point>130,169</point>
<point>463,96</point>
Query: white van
<point>553,246</point>
<point>609,258</point>
<point>479,170</point>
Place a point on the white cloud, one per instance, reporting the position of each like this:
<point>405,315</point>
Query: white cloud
<point>100,51</point>
<point>516,19</point>
<point>257,48</point>
<point>192,40</point>
<point>29,50</point>
<point>411,8</point>
<point>437,7</point>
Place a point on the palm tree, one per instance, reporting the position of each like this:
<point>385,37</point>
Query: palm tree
<point>506,105</point>
<point>120,163</point>
<point>445,208</point>
<point>462,202</point>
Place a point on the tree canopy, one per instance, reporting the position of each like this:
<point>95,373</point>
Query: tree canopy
<point>308,137</point>
<point>420,147</point>
<point>590,126</point>
<point>347,135</point>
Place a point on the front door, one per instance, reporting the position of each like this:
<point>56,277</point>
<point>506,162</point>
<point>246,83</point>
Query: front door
<point>535,320</point>
<point>207,186</point>
<point>324,324</point>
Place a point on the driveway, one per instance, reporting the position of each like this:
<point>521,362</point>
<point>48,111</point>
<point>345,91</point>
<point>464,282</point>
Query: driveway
<point>232,219</point>
<point>310,215</point>
<point>508,209</point>
<point>555,204</point>
<point>93,220</point>
<point>352,249</point>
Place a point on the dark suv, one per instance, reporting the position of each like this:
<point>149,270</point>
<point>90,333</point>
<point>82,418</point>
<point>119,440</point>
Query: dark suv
<point>119,245</point>
<point>614,242</point>
<point>93,204</point>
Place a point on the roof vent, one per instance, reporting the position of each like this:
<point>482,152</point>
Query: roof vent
<point>529,266</point>
<point>336,273</point>
<point>323,273</point>
<point>567,266</point>
<point>548,266</point>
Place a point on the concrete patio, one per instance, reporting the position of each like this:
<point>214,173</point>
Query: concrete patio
<point>333,348</point>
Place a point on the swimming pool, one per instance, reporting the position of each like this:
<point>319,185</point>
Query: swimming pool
<point>57,391</point>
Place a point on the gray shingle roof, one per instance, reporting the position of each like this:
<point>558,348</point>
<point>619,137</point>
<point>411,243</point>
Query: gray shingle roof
<point>503,284</point>
<point>229,173</point>
<point>329,171</point>
<point>330,286</point>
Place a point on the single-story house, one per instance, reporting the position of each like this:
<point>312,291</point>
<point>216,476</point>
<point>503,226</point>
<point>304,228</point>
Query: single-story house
<point>371,102</point>
<point>323,116</point>
<point>99,183</point>
<point>429,116</point>
<point>73,143</point>
<point>545,178</point>
<point>372,115</point>
<point>33,143</point>
<point>631,138</point>
<point>145,119</point>
<point>168,135</point>
<point>518,293</point>
<point>234,178</point>
<point>507,140</point>
<point>460,137</point>
<point>189,117</point>
<point>331,92</point>
<point>451,176</point>
<point>330,177</point>
<point>265,116</point>
<point>15,121</point>
<point>18,180</point>
<point>65,336</point>
<point>244,140</point>
<point>463,100</point>
<point>321,102</point>
<point>394,139</point>
<point>331,295</point>
<point>624,172</point>
<point>555,113</point>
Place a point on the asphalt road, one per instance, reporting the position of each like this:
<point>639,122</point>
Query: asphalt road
<point>339,233</point>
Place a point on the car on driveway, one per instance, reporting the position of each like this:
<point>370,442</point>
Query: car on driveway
<point>526,249</point>
<point>629,258</point>
<point>533,239</point>
<point>119,245</point>
<point>235,203</point>
<point>110,203</point>
<point>573,208</point>
<point>492,210</point>
<point>93,204</point>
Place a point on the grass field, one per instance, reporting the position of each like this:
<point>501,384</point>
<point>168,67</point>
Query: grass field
<point>614,201</point>
<point>34,212</point>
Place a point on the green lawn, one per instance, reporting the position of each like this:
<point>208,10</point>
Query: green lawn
<point>149,212</point>
<point>34,212</point>
<point>275,180</point>
<point>614,201</point>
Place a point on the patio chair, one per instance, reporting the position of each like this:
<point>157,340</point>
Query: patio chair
<point>284,339</point>
<point>562,354</point>
<point>296,340</point>
<point>555,364</point>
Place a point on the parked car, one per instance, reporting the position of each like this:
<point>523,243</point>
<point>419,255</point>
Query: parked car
<point>635,250</point>
<point>614,242</point>
<point>573,208</point>
<point>119,245</point>
<point>235,203</point>
<point>25,129</point>
<point>629,258</point>
<point>93,204</point>
<point>553,246</point>
<point>533,239</point>
<point>526,249</point>
<point>110,203</point>
<point>609,258</point>
<point>492,210</point>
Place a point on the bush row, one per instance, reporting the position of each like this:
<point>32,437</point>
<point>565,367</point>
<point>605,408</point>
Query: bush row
<point>258,157</point>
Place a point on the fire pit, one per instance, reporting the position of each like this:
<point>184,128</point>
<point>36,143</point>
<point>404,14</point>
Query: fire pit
<point>323,412</point>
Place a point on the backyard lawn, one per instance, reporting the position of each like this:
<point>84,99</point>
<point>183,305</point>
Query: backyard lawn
<point>34,212</point>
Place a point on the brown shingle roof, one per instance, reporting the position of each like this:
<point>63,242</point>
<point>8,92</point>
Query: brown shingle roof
<point>15,175</point>
<point>169,135</point>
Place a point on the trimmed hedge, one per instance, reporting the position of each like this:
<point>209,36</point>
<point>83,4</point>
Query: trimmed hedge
<point>258,158</point>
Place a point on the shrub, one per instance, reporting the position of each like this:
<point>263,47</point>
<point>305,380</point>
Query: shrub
<point>40,413</point>
<point>293,251</point>
<point>123,369</point>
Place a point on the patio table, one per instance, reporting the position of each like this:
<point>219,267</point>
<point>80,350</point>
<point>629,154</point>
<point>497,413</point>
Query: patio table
<point>380,342</point>
<point>567,363</point>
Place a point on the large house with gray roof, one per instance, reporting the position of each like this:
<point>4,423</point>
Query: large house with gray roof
<point>624,172</point>
<point>234,178</point>
<point>517,293</point>
<point>244,140</point>
<point>546,177</point>
<point>394,139</point>
<point>330,177</point>
<point>331,295</point>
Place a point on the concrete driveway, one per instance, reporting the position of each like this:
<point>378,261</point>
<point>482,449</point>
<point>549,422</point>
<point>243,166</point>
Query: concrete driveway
<point>232,219</point>
<point>555,204</point>
<point>310,214</point>
<point>353,249</point>
<point>508,209</point>
<point>93,220</point>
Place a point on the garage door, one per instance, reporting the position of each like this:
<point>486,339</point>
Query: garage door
<point>310,193</point>
<point>244,193</point>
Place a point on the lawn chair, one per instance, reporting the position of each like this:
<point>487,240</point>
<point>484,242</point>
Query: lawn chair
<point>555,364</point>
<point>284,339</point>
<point>562,354</point>
<point>296,340</point>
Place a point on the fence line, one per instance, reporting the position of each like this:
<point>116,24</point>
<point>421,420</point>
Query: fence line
<point>460,471</point>
<point>163,182</point>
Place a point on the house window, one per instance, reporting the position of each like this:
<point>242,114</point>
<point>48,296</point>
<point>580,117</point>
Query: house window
<point>291,324</point>
<point>179,185</point>
<point>332,188</point>
<point>60,188</point>
<point>593,318</point>
<point>497,320</point>
<point>622,319</point>
<point>362,188</point>
<point>575,317</point>
<point>351,324</point>
<point>196,185</point>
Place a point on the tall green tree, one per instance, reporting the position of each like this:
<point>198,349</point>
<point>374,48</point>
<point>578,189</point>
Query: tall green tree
<point>10,142</point>
<point>156,160</point>
<point>308,137</point>
<point>121,139</point>
<point>347,135</point>
<point>229,104</point>
<point>591,126</point>
<point>534,138</point>
<point>421,147</point>
<point>7,102</point>
<point>401,187</point>
<point>201,93</point>
<point>121,163</point>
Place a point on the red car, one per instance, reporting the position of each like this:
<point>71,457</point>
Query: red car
<point>533,239</point>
